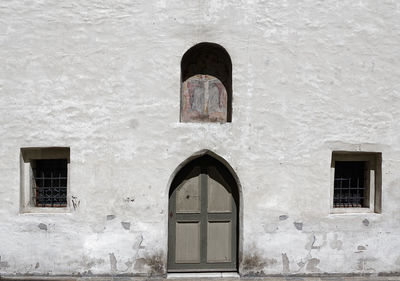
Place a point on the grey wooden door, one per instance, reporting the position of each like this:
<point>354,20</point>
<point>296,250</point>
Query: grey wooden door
<point>203,218</point>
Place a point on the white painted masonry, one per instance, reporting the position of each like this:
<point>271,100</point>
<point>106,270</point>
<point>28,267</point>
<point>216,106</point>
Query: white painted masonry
<point>103,78</point>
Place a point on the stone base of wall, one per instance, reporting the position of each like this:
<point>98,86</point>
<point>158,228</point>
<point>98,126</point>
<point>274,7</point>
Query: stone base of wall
<point>323,277</point>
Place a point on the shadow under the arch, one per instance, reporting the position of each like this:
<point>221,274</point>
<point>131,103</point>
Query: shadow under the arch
<point>228,180</point>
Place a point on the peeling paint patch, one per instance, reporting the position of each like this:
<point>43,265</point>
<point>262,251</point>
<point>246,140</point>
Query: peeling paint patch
<point>129,199</point>
<point>336,244</point>
<point>110,217</point>
<point>87,273</point>
<point>42,226</point>
<point>301,264</point>
<point>312,265</point>
<point>363,264</point>
<point>128,265</point>
<point>298,225</point>
<point>126,225</point>
<point>113,263</point>
<point>361,248</point>
<point>139,264</point>
<point>285,263</point>
<point>269,228</point>
<point>3,264</point>
<point>87,262</point>
<point>365,222</point>
<point>283,217</point>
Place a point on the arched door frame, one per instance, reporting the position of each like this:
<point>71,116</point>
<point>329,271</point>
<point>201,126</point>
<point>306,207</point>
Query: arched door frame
<point>240,193</point>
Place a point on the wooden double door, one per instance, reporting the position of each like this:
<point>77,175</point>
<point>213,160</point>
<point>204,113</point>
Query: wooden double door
<point>203,224</point>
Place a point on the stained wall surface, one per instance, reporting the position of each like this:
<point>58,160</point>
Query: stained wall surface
<point>103,78</point>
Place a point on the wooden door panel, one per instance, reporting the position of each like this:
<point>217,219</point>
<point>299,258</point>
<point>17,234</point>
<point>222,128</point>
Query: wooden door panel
<point>219,242</point>
<point>187,243</point>
<point>188,194</point>
<point>219,196</point>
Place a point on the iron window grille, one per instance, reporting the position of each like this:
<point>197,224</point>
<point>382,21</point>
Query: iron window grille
<point>350,188</point>
<point>49,183</point>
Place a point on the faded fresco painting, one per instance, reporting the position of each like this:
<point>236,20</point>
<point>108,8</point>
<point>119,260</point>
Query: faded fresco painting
<point>204,99</point>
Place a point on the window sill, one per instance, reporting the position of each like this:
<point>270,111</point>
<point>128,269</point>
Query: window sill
<point>344,211</point>
<point>180,124</point>
<point>45,210</point>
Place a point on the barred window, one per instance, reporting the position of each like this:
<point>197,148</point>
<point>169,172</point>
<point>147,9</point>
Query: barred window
<point>49,183</point>
<point>350,187</point>
<point>44,179</point>
<point>356,183</point>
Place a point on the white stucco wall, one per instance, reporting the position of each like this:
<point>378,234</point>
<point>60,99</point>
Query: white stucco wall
<point>103,78</point>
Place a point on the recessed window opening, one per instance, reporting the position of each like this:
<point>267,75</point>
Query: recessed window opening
<point>356,182</point>
<point>350,185</point>
<point>206,89</point>
<point>44,179</point>
<point>49,182</point>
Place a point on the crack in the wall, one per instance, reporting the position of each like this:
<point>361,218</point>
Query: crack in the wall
<point>75,202</point>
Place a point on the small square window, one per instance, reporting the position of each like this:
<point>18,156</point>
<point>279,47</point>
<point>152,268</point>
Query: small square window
<point>44,179</point>
<point>356,182</point>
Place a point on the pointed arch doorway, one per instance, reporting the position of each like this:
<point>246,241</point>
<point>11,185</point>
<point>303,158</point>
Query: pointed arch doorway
<point>203,218</point>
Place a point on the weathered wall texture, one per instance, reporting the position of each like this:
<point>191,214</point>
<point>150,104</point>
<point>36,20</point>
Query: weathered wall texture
<point>103,78</point>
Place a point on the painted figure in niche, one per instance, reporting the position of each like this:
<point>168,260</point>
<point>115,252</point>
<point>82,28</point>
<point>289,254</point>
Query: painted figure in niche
<point>196,90</point>
<point>204,99</point>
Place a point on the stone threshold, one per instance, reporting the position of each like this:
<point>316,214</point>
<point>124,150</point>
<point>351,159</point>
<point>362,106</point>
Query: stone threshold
<point>203,275</point>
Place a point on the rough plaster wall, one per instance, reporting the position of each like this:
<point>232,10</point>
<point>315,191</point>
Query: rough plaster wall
<point>102,77</point>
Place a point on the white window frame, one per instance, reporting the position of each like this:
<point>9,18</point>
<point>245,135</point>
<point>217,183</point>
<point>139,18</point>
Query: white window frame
<point>27,156</point>
<point>374,182</point>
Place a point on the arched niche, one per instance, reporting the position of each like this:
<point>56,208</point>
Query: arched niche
<point>206,90</point>
<point>203,224</point>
